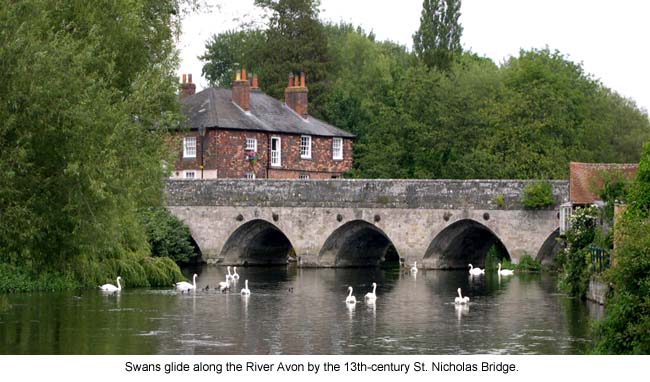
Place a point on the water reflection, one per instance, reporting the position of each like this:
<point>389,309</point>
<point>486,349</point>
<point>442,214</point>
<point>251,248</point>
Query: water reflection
<point>304,311</point>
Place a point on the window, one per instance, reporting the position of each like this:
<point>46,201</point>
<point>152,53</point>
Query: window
<point>190,174</point>
<point>303,176</point>
<point>305,147</point>
<point>189,147</point>
<point>565,217</point>
<point>276,153</point>
<point>251,144</point>
<point>250,175</point>
<point>337,148</point>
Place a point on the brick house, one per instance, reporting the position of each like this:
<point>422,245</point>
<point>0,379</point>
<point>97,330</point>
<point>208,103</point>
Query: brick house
<point>244,133</point>
<point>584,180</point>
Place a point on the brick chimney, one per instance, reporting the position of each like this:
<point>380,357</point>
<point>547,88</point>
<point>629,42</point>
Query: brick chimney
<point>295,95</point>
<point>241,90</point>
<point>187,87</point>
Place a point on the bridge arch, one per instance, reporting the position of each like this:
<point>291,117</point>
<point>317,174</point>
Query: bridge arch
<point>549,250</point>
<point>257,242</point>
<point>463,242</point>
<point>358,244</point>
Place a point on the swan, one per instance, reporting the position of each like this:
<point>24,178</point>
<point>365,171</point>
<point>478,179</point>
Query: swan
<point>460,299</point>
<point>475,271</point>
<point>505,272</point>
<point>184,286</point>
<point>235,276</point>
<point>414,268</point>
<point>245,291</point>
<point>228,276</point>
<point>350,299</point>
<point>223,285</point>
<point>371,296</point>
<point>111,287</point>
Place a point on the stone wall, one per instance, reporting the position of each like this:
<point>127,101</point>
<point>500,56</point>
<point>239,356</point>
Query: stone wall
<point>410,194</point>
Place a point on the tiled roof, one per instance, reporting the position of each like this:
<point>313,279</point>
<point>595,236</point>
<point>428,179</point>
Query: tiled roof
<point>213,108</point>
<point>584,177</point>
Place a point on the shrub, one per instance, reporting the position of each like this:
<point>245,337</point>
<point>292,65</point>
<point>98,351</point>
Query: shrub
<point>575,258</point>
<point>528,264</point>
<point>168,236</point>
<point>500,200</point>
<point>538,195</point>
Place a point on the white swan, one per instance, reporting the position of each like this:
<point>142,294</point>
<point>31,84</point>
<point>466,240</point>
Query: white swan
<point>111,287</point>
<point>228,276</point>
<point>475,271</point>
<point>184,286</point>
<point>235,276</point>
<point>371,296</point>
<point>223,285</point>
<point>460,299</point>
<point>505,272</point>
<point>245,291</point>
<point>414,268</point>
<point>350,299</point>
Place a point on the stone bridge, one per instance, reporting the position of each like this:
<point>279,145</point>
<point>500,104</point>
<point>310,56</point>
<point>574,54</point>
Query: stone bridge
<point>341,223</point>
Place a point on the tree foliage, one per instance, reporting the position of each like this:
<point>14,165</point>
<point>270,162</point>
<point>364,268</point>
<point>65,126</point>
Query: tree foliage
<point>538,195</point>
<point>523,119</point>
<point>437,41</point>
<point>626,328</point>
<point>87,90</point>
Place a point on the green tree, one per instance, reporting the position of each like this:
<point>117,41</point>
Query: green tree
<point>84,105</point>
<point>168,236</point>
<point>626,327</point>
<point>437,41</point>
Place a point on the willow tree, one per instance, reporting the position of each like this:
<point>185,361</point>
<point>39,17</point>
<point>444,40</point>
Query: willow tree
<point>437,41</point>
<point>87,90</point>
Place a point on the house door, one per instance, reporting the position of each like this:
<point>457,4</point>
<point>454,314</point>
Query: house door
<point>276,154</point>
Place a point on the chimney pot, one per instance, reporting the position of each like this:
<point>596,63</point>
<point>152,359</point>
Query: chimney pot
<point>255,83</point>
<point>187,87</point>
<point>290,79</point>
<point>302,79</point>
<point>189,78</point>
<point>243,75</point>
<point>184,78</point>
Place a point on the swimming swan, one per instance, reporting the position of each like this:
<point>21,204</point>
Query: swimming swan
<point>475,271</point>
<point>111,287</point>
<point>460,299</point>
<point>223,285</point>
<point>245,291</point>
<point>184,286</point>
<point>505,272</point>
<point>371,296</point>
<point>350,299</point>
<point>414,268</point>
<point>235,276</point>
<point>229,276</point>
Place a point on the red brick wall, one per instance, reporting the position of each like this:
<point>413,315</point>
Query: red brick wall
<point>225,151</point>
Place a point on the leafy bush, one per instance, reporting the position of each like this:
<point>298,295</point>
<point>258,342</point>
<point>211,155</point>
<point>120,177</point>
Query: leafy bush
<point>168,236</point>
<point>575,258</point>
<point>626,327</point>
<point>528,264</point>
<point>500,200</point>
<point>538,195</point>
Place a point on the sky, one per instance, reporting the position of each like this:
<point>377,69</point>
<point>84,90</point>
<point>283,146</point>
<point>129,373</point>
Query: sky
<point>607,37</point>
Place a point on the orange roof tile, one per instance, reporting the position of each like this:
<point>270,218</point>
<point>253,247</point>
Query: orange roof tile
<point>584,176</point>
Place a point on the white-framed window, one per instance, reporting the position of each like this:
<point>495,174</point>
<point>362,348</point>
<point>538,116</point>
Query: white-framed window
<point>189,147</point>
<point>250,175</point>
<point>305,147</point>
<point>189,175</point>
<point>276,151</point>
<point>303,176</point>
<point>337,148</point>
<point>251,144</point>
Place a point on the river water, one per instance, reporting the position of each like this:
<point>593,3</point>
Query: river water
<point>303,311</point>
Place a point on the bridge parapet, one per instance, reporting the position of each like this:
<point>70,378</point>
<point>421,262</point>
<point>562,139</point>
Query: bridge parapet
<point>356,193</point>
